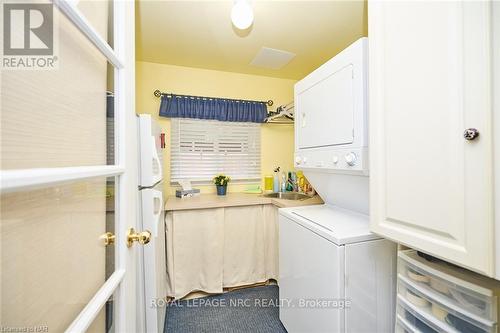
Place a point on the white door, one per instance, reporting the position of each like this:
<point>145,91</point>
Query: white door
<point>330,102</point>
<point>325,108</point>
<point>69,171</point>
<point>430,188</point>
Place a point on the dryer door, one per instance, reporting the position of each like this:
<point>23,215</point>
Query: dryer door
<point>325,111</point>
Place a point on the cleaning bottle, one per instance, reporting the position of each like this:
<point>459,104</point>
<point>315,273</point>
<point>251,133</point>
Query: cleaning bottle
<point>268,183</point>
<point>301,181</point>
<point>276,181</point>
<point>289,183</point>
<point>295,182</point>
<point>283,182</point>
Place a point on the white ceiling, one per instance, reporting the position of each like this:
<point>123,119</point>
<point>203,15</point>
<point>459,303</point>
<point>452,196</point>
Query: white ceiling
<point>200,33</point>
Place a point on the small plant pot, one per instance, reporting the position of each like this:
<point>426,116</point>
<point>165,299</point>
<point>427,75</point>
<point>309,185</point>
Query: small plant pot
<point>221,189</point>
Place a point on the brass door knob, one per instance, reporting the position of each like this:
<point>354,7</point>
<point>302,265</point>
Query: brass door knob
<point>108,238</point>
<point>140,237</point>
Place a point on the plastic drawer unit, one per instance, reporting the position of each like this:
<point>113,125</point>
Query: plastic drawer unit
<point>434,296</point>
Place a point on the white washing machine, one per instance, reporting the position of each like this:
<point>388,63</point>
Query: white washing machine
<point>335,275</point>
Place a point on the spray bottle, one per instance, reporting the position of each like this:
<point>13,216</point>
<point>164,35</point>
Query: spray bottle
<point>276,180</point>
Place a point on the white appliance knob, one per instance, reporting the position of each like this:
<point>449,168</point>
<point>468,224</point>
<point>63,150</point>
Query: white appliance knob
<point>350,158</point>
<point>335,159</point>
<point>298,160</point>
<point>304,160</point>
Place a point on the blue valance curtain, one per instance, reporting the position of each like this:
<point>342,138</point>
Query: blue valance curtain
<point>181,106</point>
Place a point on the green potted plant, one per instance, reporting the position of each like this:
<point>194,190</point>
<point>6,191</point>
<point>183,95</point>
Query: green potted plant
<point>221,182</point>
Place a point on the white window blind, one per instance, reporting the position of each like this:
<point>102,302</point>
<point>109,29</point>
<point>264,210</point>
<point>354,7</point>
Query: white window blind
<point>201,149</point>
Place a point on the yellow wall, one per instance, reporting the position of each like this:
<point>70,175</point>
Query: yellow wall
<point>277,140</point>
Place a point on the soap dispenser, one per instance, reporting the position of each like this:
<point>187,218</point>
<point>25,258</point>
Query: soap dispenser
<point>276,180</point>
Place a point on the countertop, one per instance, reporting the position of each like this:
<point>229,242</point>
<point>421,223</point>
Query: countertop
<point>203,201</point>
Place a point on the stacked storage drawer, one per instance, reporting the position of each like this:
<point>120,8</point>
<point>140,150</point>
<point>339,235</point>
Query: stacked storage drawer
<point>439,297</point>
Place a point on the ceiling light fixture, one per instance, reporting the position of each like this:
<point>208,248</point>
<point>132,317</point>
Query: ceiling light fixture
<point>242,14</point>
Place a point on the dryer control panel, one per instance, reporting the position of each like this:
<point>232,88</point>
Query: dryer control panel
<point>341,160</point>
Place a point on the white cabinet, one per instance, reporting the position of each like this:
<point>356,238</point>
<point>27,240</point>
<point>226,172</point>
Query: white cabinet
<point>430,79</point>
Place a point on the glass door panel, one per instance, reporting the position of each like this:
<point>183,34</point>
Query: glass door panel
<point>105,320</point>
<point>58,127</point>
<point>60,117</point>
<point>100,16</point>
<point>53,253</point>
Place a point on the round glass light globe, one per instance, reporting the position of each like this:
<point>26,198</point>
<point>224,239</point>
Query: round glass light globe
<point>242,14</point>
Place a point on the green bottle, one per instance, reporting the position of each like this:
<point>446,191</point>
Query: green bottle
<point>289,184</point>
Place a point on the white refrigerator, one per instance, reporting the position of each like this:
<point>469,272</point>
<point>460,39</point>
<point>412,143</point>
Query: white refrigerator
<point>152,272</point>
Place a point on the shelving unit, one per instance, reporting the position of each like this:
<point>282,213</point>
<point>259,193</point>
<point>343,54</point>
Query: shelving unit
<point>440,297</point>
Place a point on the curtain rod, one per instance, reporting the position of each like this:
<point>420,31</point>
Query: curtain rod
<point>158,94</point>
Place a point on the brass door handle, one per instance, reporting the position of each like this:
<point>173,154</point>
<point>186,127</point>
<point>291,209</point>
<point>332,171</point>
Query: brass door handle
<point>140,237</point>
<point>108,238</point>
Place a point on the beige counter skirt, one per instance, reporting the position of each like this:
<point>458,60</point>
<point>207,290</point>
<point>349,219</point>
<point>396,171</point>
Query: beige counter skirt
<point>211,249</point>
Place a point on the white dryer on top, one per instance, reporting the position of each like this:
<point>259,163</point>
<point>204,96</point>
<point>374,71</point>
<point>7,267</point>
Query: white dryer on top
<point>331,114</point>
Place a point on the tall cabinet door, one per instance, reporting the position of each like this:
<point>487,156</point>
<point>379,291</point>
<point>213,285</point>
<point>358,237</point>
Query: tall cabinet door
<point>430,69</point>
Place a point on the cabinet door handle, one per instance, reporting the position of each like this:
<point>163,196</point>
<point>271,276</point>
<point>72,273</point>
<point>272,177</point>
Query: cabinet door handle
<point>471,134</point>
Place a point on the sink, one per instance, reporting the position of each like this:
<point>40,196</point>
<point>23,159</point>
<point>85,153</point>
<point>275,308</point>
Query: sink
<point>287,196</point>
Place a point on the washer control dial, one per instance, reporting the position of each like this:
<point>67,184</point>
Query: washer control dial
<point>335,159</point>
<point>298,160</point>
<point>350,158</point>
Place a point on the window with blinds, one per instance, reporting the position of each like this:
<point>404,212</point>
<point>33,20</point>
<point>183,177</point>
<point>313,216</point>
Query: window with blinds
<point>201,149</point>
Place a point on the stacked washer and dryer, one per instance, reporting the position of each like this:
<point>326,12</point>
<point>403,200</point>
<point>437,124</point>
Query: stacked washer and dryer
<point>335,275</point>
